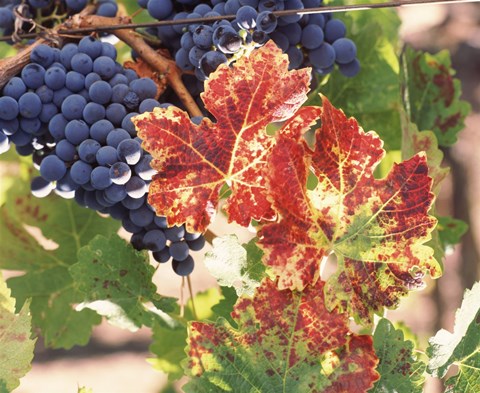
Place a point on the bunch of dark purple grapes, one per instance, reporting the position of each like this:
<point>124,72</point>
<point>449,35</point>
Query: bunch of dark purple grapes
<point>71,109</point>
<point>316,40</point>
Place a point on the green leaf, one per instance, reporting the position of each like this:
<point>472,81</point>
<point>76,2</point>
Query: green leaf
<point>372,96</point>
<point>168,344</point>
<point>462,347</point>
<point>16,346</point>
<point>54,297</point>
<point>66,227</point>
<point>447,233</point>
<point>434,94</point>
<point>399,369</point>
<point>234,265</point>
<point>225,306</point>
<point>170,388</point>
<point>451,230</point>
<point>110,273</point>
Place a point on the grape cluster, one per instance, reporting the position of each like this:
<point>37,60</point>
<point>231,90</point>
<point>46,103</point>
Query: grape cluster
<point>72,109</point>
<point>46,12</point>
<point>316,40</point>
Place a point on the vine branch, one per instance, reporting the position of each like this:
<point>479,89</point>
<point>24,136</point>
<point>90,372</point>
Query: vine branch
<point>11,66</point>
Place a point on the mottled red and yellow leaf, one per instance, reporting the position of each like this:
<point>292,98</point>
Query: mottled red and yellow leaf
<point>376,227</point>
<point>195,161</point>
<point>434,94</point>
<point>286,341</point>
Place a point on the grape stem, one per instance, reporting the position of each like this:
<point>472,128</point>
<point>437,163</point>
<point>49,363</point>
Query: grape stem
<point>192,298</point>
<point>161,64</point>
<point>182,298</point>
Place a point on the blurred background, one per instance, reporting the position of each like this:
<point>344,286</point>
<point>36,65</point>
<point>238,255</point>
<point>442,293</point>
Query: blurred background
<point>115,360</point>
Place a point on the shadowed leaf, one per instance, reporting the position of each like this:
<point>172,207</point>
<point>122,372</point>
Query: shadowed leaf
<point>451,231</point>
<point>46,279</point>
<point>110,272</point>
<point>373,95</point>
<point>168,344</point>
<point>399,369</point>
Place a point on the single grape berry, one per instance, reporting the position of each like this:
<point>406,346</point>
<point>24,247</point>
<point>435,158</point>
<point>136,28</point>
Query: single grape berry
<point>185,267</point>
<point>210,61</point>
<point>52,168</point>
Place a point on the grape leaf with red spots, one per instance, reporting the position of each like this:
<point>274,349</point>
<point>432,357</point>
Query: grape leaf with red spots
<point>195,161</point>
<point>399,368</point>
<point>434,95</point>
<point>376,227</point>
<point>286,341</point>
<point>16,345</point>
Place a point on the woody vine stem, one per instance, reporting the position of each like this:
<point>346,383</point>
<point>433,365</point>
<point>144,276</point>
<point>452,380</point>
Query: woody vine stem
<point>165,67</point>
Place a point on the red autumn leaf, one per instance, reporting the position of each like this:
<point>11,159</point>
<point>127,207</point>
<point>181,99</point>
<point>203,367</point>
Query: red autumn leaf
<point>376,227</point>
<point>195,161</point>
<point>286,341</point>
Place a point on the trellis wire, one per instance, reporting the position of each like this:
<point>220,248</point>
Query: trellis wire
<point>317,10</point>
